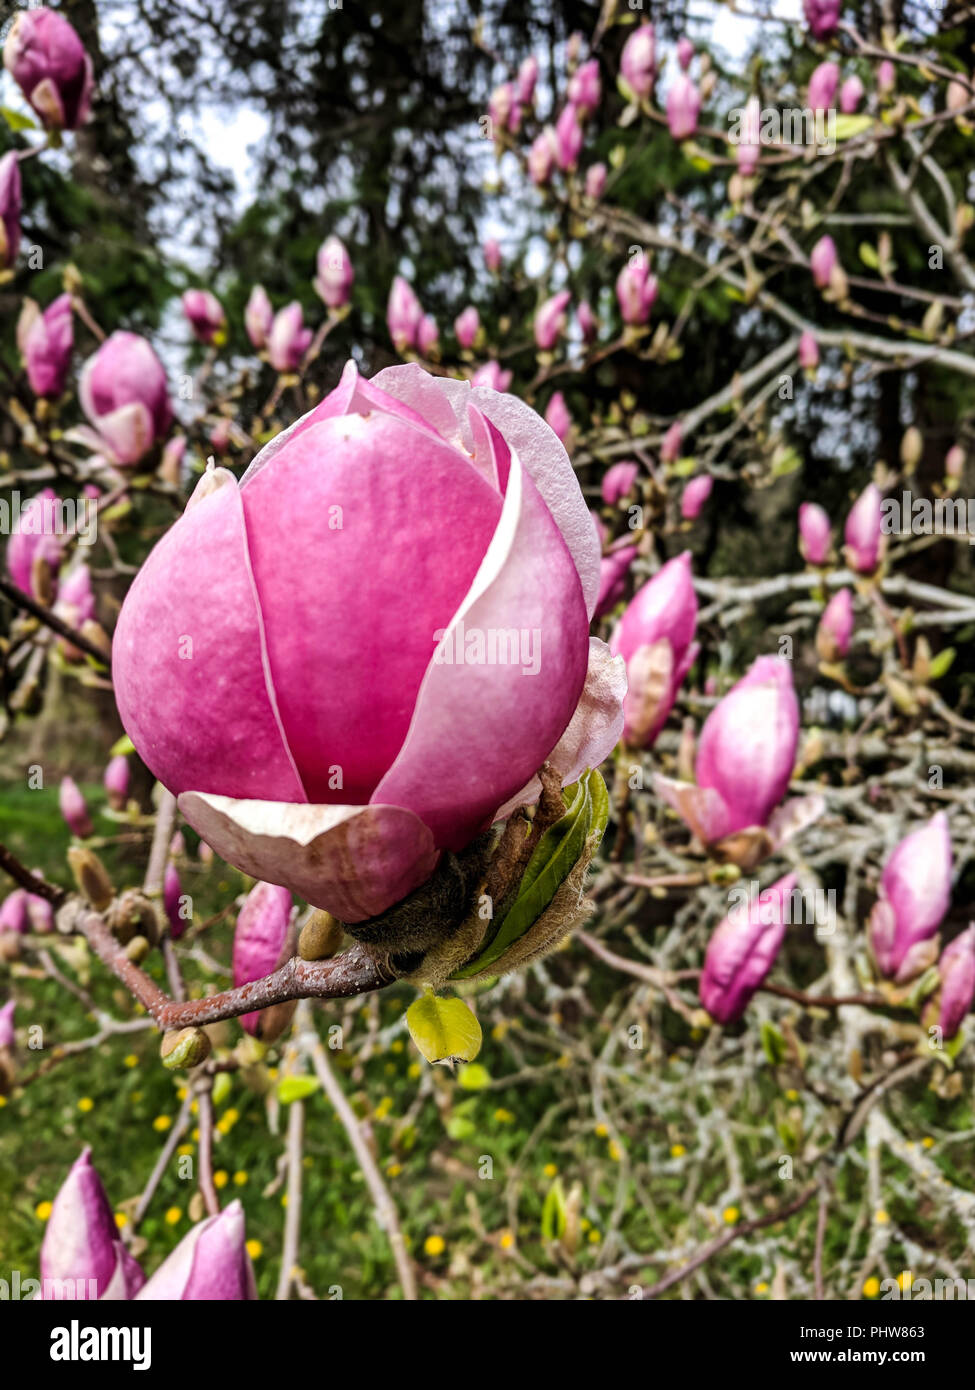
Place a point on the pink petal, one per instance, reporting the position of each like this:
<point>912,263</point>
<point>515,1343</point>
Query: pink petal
<point>355,861</point>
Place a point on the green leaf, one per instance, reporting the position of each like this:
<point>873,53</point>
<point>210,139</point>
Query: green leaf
<point>554,1214</point>
<point>296,1088</point>
<point>122,745</point>
<point>554,857</point>
<point>868,256</point>
<point>473,1077</point>
<point>773,1044</point>
<point>16,120</point>
<point>849,126</point>
<point>443,1029</point>
<point>941,664</point>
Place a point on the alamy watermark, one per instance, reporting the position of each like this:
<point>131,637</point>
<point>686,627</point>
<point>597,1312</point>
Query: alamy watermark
<point>920,516</point>
<point>50,516</point>
<point>803,907</point>
<point>793,125</point>
<point>493,646</point>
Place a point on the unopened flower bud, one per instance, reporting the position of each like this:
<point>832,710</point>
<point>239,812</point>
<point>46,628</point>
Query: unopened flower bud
<point>91,876</point>
<point>912,447</point>
<point>74,809</point>
<point>183,1049</point>
<point>321,936</point>
<point>137,949</point>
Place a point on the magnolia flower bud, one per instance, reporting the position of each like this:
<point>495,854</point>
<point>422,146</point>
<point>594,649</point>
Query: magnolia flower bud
<point>956,969</point>
<point>749,143</point>
<point>851,94</point>
<point>585,88</point>
<point>46,341</point>
<point>527,77</point>
<point>74,809</point>
<point>541,156</point>
<point>123,392</point>
<point>670,445</point>
<point>596,181</point>
<point>171,463</point>
<point>808,351</point>
<point>912,447</point>
<point>173,902</point>
<point>683,108</point>
<point>205,315</point>
<point>822,261</point>
<point>493,376</point>
<point>638,61</point>
<point>822,16</point>
<point>568,137</point>
<point>587,321</point>
<point>613,570</point>
<point>466,326</point>
<point>209,1264</point>
<point>427,336</point>
<point>264,940</point>
<point>335,275</point>
<point>685,52</point>
<point>403,315</point>
<point>864,531</point>
<point>822,86</point>
<point>288,340</point>
<point>35,538</point>
<point>886,77</point>
<point>618,482</point>
<point>636,291</point>
<point>915,889</point>
<point>81,1241</point>
<point>492,255</point>
<point>75,606</point>
<point>180,1050</point>
<point>501,108</point>
<point>743,949</point>
<point>47,60</point>
<point>655,637</point>
<point>13,912</point>
<point>91,877</point>
<point>835,628</point>
<point>550,320</point>
<point>557,416</point>
<point>40,914</point>
<point>10,198</point>
<point>321,937</point>
<point>258,317</point>
<point>814,533</point>
<point>694,496</point>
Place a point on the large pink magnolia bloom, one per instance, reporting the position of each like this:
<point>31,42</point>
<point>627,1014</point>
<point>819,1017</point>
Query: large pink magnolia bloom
<point>743,949</point>
<point>47,60</point>
<point>46,340</point>
<point>745,756</point>
<point>915,889</point>
<point>123,392</point>
<point>655,637</point>
<point>638,61</point>
<point>10,198</point>
<point>209,1264</point>
<point>81,1242</point>
<point>333,712</point>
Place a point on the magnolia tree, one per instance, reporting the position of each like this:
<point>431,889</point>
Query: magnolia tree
<point>421,650</point>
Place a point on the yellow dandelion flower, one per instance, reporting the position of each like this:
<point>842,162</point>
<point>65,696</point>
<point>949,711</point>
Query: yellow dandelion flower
<point>254,1248</point>
<point>434,1245</point>
<point>121,1220</point>
<point>503,1117</point>
<point>414,1071</point>
<point>162,1123</point>
<point>762,1287</point>
<point>43,1210</point>
<point>3,1101</point>
<point>792,1094</point>
<point>550,1170</point>
<point>182,1093</point>
<point>614,1151</point>
<point>602,1131</point>
<point>131,1060</point>
<point>881,1217</point>
<point>85,1104</point>
<point>872,1287</point>
<point>730,1215</point>
<point>240,1177</point>
<point>594,1237</point>
<point>396,1045</point>
<point>677,1151</point>
<point>507,1240</point>
<point>221,1177</point>
<point>185,1150</point>
<point>927,1142</point>
<point>173,1215</point>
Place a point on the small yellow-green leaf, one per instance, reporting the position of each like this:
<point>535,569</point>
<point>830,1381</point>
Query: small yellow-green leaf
<point>849,126</point>
<point>473,1077</point>
<point>296,1088</point>
<point>554,1215</point>
<point>122,745</point>
<point>443,1029</point>
<point>15,120</point>
<point>941,664</point>
<point>773,1044</point>
<point>868,255</point>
